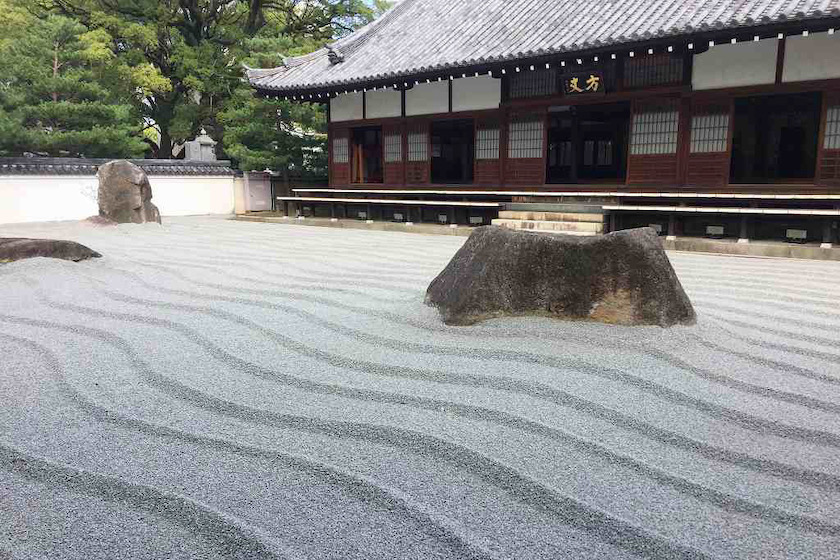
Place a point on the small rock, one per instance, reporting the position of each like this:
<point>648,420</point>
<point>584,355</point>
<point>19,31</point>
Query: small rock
<point>17,248</point>
<point>623,278</point>
<point>125,195</point>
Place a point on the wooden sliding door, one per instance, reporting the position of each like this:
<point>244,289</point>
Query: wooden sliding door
<point>654,142</point>
<point>710,143</point>
<point>828,164</point>
<point>488,168</point>
<point>339,157</point>
<point>525,164</point>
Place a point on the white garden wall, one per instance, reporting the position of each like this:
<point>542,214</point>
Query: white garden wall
<point>187,195</point>
<point>45,198</point>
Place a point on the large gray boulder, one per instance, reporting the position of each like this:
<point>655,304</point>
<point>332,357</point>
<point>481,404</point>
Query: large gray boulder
<point>125,195</point>
<point>17,248</point>
<point>623,278</point>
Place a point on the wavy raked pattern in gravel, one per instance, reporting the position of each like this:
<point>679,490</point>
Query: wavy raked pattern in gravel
<point>218,389</point>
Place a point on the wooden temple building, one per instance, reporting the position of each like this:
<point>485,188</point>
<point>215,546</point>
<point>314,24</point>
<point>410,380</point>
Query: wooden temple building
<point>700,118</point>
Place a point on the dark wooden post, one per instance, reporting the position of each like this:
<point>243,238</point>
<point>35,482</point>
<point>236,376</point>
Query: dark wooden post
<point>744,235</point>
<point>577,146</point>
<point>827,238</point>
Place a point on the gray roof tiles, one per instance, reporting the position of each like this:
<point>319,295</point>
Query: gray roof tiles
<point>418,36</point>
<point>89,166</point>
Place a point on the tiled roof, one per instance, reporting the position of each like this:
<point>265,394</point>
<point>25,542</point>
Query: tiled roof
<point>420,36</point>
<point>89,166</point>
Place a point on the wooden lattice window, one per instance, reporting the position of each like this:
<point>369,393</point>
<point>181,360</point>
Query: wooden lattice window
<point>710,132</point>
<point>418,145</point>
<point>533,83</point>
<point>654,130</point>
<point>832,128</point>
<point>341,150</point>
<point>525,138</point>
<point>393,148</point>
<point>487,143</point>
<point>653,70</point>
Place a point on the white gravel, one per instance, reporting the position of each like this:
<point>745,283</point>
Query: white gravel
<point>217,389</point>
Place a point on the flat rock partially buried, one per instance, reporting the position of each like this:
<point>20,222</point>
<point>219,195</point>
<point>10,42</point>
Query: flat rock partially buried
<point>623,278</point>
<point>17,248</point>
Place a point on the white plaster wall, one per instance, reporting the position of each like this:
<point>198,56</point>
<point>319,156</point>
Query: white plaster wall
<point>424,99</point>
<point>47,198</point>
<point>475,93</point>
<point>239,206</point>
<point>346,107</point>
<point>815,57</point>
<point>383,103</point>
<point>181,195</point>
<point>742,64</point>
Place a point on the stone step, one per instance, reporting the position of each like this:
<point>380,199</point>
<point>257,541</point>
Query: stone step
<point>551,216</point>
<point>579,228</point>
<point>579,208</point>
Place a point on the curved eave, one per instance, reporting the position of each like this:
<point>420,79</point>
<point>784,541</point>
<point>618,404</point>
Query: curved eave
<point>699,36</point>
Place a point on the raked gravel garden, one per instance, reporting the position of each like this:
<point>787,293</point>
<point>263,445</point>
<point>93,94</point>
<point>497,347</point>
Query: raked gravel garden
<point>220,389</point>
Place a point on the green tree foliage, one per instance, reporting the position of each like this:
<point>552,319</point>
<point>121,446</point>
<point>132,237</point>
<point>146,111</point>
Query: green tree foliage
<point>52,97</point>
<point>271,134</point>
<point>192,49</point>
<point>280,135</point>
<point>277,135</point>
<point>157,71</point>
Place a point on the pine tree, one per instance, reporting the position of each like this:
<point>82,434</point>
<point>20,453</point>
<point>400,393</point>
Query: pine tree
<point>52,100</point>
<point>277,135</point>
<point>196,47</point>
<point>281,135</point>
<point>152,71</point>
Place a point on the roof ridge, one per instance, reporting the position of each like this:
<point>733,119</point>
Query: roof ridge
<point>291,61</point>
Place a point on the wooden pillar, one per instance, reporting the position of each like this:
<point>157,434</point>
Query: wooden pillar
<point>827,237</point>
<point>744,235</point>
<point>503,146</point>
<point>577,146</point>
